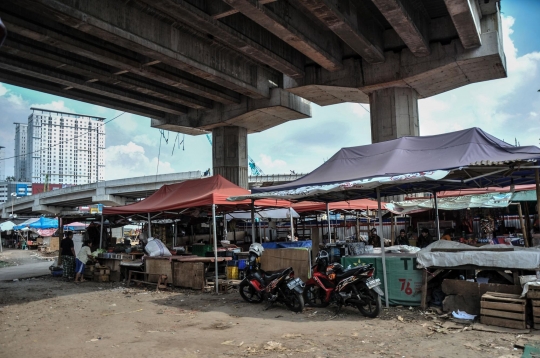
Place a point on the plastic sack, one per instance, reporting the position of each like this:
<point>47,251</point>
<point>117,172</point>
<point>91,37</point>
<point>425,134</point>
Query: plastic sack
<point>156,248</point>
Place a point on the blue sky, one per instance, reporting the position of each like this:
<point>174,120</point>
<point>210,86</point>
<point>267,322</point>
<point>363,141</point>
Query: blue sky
<point>507,108</point>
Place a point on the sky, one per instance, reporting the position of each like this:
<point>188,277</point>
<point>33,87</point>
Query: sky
<point>507,108</point>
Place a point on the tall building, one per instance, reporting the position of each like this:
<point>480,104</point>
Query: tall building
<point>64,148</point>
<point>2,164</point>
<point>21,130</point>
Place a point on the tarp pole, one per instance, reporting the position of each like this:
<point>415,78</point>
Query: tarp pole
<point>1,249</point>
<point>215,245</point>
<point>379,213</point>
<point>357,228</point>
<point>149,227</point>
<point>252,221</point>
<point>522,223</point>
<point>328,221</point>
<point>437,216</point>
<point>101,232</point>
<point>292,223</point>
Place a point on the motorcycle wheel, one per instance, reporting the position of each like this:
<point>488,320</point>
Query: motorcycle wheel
<point>314,296</point>
<point>371,305</point>
<point>248,293</point>
<point>294,301</point>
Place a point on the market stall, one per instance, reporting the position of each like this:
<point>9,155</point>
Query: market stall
<point>451,161</point>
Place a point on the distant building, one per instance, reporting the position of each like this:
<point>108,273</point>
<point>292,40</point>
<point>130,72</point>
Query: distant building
<point>64,148</point>
<point>20,189</point>
<point>2,164</point>
<point>21,131</point>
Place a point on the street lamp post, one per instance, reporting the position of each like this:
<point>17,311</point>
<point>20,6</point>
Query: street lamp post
<point>13,195</point>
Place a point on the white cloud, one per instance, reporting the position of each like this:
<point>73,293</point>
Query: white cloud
<point>130,160</point>
<point>361,110</point>
<point>272,166</point>
<point>3,90</point>
<point>54,106</point>
<point>16,101</point>
<point>533,114</point>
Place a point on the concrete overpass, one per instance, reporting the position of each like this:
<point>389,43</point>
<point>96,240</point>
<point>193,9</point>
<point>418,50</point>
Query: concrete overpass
<point>111,193</point>
<point>233,67</point>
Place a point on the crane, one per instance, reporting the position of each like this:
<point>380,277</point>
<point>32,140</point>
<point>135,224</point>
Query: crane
<point>255,169</point>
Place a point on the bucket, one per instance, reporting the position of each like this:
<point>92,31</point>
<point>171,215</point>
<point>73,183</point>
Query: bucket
<point>232,273</point>
<point>242,264</point>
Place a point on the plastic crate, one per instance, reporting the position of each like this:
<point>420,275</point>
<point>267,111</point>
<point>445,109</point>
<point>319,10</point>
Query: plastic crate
<point>242,264</point>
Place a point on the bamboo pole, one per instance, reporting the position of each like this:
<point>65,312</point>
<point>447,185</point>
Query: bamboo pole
<point>393,228</point>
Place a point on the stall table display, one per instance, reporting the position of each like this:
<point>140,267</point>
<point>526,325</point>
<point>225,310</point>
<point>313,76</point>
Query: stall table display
<point>404,278</point>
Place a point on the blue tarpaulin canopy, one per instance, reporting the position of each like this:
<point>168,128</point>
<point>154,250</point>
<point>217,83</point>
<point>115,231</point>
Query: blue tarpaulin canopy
<point>286,245</point>
<point>44,223</point>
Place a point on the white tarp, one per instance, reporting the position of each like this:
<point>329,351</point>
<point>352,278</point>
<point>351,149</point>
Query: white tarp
<point>265,214</point>
<point>491,200</point>
<point>6,226</point>
<point>520,258</point>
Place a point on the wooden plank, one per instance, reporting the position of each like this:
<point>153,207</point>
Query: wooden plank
<point>506,276</point>
<point>466,288</point>
<point>503,306</point>
<point>533,294</point>
<point>503,314</point>
<point>501,322</point>
<point>157,266</point>
<point>189,275</point>
<point>488,297</point>
<point>481,327</point>
<point>535,302</point>
<point>536,311</point>
<point>431,276</point>
<point>423,302</point>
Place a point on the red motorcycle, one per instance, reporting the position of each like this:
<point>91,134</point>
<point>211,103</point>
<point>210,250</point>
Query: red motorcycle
<point>355,287</point>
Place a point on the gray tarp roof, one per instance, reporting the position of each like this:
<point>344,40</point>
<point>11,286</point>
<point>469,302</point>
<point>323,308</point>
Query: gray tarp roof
<point>414,164</point>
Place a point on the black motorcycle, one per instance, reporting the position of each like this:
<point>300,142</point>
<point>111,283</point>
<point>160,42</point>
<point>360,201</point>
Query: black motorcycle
<point>273,286</point>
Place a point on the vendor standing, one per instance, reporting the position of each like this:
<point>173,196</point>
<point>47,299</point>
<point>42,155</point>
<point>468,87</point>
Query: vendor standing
<point>85,254</point>
<point>424,239</point>
<point>374,239</point>
<point>402,238</point>
<point>67,253</point>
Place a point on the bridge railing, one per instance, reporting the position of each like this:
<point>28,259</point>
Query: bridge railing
<point>272,178</point>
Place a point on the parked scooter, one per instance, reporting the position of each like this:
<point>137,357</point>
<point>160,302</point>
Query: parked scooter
<point>355,287</point>
<point>272,286</point>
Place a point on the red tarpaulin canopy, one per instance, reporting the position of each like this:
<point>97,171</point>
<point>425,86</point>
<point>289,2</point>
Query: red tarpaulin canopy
<point>194,193</point>
<point>361,204</point>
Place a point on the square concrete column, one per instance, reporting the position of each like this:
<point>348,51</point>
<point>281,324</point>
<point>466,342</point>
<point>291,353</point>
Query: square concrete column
<point>394,113</point>
<point>229,154</point>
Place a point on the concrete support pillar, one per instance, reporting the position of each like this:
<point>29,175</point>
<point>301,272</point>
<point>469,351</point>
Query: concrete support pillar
<point>394,113</point>
<point>229,154</point>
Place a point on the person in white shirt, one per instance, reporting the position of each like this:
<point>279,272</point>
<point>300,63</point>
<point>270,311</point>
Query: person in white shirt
<point>85,253</point>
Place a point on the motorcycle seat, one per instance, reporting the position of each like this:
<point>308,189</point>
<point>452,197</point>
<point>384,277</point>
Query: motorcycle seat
<point>345,274</point>
<point>269,276</point>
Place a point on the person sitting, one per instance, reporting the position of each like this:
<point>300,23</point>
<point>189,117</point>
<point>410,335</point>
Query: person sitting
<point>425,239</point>
<point>402,238</point>
<point>374,239</point>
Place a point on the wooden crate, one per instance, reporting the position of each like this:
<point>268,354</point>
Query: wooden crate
<point>189,275</point>
<point>101,278</point>
<point>503,310</point>
<point>157,266</point>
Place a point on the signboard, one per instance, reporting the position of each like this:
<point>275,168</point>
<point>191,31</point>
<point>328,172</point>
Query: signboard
<point>23,189</point>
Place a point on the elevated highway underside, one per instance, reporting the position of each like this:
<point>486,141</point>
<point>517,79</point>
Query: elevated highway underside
<point>196,66</point>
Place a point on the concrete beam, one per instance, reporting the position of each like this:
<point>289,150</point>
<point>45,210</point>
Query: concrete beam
<point>47,87</point>
<point>129,27</point>
<point>45,74</point>
<point>447,67</point>
<point>466,16</point>
<point>342,17</point>
<point>289,62</point>
<point>410,24</point>
<point>293,27</point>
<point>125,64</point>
<point>254,115</point>
<point>72,63</point>
<point>109,200</point>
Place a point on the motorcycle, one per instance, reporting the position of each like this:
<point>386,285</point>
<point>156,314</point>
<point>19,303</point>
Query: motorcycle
<point>353,287</point>
<point>279,286</point>
<point>272,286</point>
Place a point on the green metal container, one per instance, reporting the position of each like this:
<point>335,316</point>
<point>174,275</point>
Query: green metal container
<point>404,279</point>
<point>200,249</point>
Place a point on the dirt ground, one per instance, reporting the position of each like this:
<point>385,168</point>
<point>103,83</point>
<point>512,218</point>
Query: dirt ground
<point>47,317</point>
